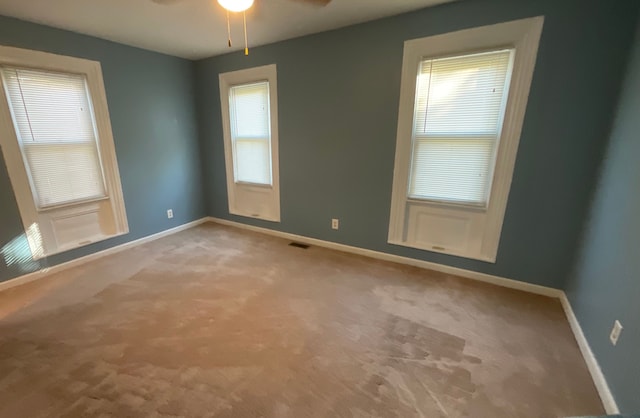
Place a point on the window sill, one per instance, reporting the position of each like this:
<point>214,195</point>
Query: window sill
<point>93,240</point>
<point>447,204</point>
<point>257,185</point>
<point>441,250</point>
<point>256,216</point>
<point>72,203</point>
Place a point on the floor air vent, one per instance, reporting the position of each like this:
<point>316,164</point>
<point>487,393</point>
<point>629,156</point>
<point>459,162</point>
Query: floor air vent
<point>299,245</point>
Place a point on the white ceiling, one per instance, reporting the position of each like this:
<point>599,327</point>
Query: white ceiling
<point>197,28</point>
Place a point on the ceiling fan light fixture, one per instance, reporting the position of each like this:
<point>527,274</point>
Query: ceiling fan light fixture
<point>236,5</point>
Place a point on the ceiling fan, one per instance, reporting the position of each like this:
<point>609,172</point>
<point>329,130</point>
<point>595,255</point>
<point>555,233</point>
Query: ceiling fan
<point>241,6</point>
<point>238,4</point>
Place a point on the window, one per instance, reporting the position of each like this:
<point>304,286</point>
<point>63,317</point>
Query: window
<point>55,129</point>
<point>462,106</point>
<point>250,132</point>
<point>249,111</point>
<point>59,150</point>
<point>459,108</point>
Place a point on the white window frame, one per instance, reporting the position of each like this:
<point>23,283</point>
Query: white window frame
<point>260,201</point>
<point>413,223</point>
<point>40,224</point>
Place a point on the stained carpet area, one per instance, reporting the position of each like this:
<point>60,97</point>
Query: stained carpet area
<point>219,322</point>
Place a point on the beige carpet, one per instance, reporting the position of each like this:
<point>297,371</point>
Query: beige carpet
<point>217,322</point>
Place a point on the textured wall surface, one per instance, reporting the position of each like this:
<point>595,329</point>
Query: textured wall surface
<point>152,105</point>
<point>338,108</point>
<point>606,282</point>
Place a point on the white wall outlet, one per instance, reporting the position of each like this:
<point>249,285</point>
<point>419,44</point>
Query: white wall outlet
<point>170,213</point>
<point>615,332</point>
<point>335,223</point>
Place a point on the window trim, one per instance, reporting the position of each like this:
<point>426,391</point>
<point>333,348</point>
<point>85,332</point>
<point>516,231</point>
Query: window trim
<point>13,156</point>
<point>524,36</point>
<point>246,76</point>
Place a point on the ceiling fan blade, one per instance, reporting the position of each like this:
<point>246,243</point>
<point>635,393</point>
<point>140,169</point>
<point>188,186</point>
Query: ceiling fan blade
<point>166,2</point>
<point>321,3</point>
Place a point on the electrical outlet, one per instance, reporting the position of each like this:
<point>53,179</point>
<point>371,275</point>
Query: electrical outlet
<point>170,213</point>
<point>335,223</point>
<point>615,332</point>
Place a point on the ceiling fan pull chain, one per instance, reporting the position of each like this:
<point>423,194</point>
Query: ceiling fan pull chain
<point>228,29</point>
<point>246,43</point>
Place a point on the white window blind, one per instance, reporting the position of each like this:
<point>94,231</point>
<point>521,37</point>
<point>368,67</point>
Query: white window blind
<point>459,109</point>
<point>251,132</point>
<point>55,127</point>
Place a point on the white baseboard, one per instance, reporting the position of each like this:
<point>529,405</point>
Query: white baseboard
<point>87,258</point>
<point>608,401</point>
<point>487,278</point>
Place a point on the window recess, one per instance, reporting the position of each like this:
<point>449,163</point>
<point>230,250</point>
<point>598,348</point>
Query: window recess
<point>58,147</point>
<point>462,105</point>
<point>249,106</point>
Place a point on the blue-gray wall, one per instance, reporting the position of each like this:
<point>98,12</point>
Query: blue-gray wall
<point>152,105</point>
<point>338,98</point>
<point>606,282</point>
